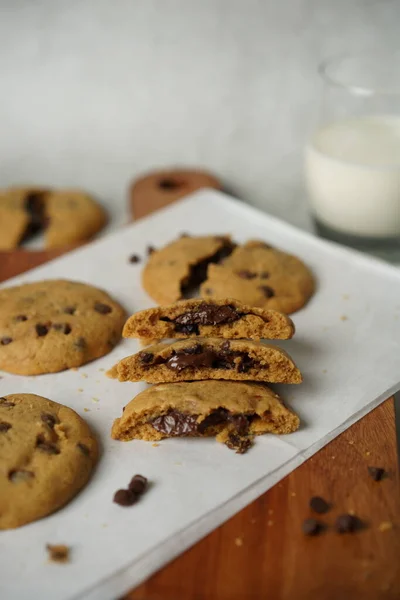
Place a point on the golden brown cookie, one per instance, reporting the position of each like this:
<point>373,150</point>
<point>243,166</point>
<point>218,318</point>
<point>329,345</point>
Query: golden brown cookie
<point>65,216</point>
<point>209,318</point>
<point>53,325</point>
<point>234,412</point>
<point>259,275</point>
<point>208,358</point>
<point>173,271</point>
<point>160,188</point>
<point>47,454</point>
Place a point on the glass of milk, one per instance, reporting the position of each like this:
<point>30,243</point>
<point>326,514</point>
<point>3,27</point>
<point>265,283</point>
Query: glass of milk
<point>352,161</point>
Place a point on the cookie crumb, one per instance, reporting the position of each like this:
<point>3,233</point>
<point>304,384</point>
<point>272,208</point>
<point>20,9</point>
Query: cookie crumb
<point>239,541</point>
<point>134,258</point>
<point>293,494</point>
<point>270,523</point>
<point>101,370</point>
<point>344,318</point>
<point>86,409</point>
<point>345,296</point>
<point>84,375</point>
<point>270,511</point>
<point>155,445</point>
<point>80,389</point>
<point>95,399</point>
<point>351,442</point>
<point>58,553</point>
<point>253,521</point>
<point>385,526</point>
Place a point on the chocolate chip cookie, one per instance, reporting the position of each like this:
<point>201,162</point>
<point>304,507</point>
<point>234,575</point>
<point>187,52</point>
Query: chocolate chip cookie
<point>208,358</point>
<point>259,275</point>
<point>65,216</point>
<point>209,318</point>
<point>53,325</point>
<point>47,454</point>
<point>234,412</point>
<point>172,272</point>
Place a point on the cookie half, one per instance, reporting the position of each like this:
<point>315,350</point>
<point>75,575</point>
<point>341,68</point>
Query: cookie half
<point>49,326</point>
<point>208,358</point>
<point>234,412</point>
<point>65,216</point>
<point>47,454</point>
<point>173,271</point>
<point>259,275</point>
<point>226,318</point>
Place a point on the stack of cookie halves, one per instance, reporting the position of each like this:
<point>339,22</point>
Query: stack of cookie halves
<point>210,374</point>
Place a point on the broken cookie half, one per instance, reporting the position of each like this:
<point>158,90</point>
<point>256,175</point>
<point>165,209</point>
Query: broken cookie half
<point>226,318</point>
<point>232,411</point>
<point>208,358</point>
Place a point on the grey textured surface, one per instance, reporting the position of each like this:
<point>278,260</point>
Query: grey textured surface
<point>95,91</point>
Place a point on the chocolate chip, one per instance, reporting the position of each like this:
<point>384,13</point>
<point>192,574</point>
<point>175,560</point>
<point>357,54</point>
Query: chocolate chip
<point>312,527</point>
<point>46,447</point>
<point>80,343</point>
<point>264,275</point>
<point>267,291</point>
<point>20,318</point>
<point>216,417</point>
<point>69,310</point>
<point>125,497</point>
<point>181,361</point>
<point>18,475</point>
<point>49,419</point>
<point>184,234</point>
<point>150,250</point>
<point>6,403</point>
<point>246,274</point>
<point>134,258</point>
<point>209,314</point>
<point>238,443</point>
<point>225,345</point>
<point>64,327</point>
<point>319,505</point>
<point>101,308</point>
<point>4,426</point>
<point>146,357</point>
<point>348,524</point>
<point>5,341</point>
<point>169,184</point>
<point>41,329</point>
<point>138,484</point>
<point>187,329</point>
<point>175,423</point>
<point>83,448</point>
<point>377,473</point>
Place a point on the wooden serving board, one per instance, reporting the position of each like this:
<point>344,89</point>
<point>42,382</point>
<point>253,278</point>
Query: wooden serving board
<point>262,553</point>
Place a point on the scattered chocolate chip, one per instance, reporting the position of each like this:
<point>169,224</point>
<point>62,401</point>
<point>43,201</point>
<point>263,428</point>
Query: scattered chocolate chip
<point>146,357</point>
<point>69,310</point>
<point>83,448</point>
<point>20,318</point>
<point>264,275</point>
<point>184,234</point>
<point>80,343</point>
<point>59,553</point>
<point>377,473</point>
<point>246,274</point>
<point>319,505</point>
<point>5,341</point>
<point>101,308</point>
<point>216,417</point>
<point>267,291</point>
<point>49,419</point>
<point>41,329</point>
<point>64,327</point>
<point>134,258</point>
<point>125,497</point>
<point>6,403</point>
<point>150,250</point>
<point>348,524</point>
<point>46,447</point>
<point>169,184</point>
<point>175,423</point>
<point>138,484</point>
<point>4,426</point>
<point>312,527</point>
<point>18,475</point>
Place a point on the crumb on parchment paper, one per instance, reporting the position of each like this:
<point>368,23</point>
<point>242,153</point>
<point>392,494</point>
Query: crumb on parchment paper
<point>58,553</point>
<point>238,541</point>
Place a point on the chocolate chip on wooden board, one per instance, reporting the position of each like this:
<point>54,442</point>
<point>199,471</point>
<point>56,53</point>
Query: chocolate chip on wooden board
<point>377,473</point>
<point>319,505</point>
<point>348,524</point>
<point>312,527</point>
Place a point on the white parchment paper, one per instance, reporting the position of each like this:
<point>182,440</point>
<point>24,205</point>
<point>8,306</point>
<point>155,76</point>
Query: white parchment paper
<point>346,344</point>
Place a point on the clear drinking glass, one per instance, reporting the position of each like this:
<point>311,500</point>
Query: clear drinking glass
<point>352,161</point>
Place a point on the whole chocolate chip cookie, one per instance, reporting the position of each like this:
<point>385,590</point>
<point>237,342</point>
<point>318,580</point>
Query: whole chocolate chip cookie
<point>65,216</point>
<point>208,358</point>
<point>47,454</point>
<point>172,272</point>
<point>225,318</point>
<point>233,411</point>
<point>259,275</point>
<point>53,325</point>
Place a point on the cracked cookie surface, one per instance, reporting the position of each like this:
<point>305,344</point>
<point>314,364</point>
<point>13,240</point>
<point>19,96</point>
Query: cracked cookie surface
<point>52,325</point>
<point>47,454</point>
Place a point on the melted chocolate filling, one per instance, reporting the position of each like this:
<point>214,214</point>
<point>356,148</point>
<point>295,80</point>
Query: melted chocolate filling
<point>35,207</point>
<point>198,273</point>
<point>204,314</point>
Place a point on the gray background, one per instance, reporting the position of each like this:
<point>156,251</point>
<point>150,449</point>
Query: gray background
<point>95,91</point>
